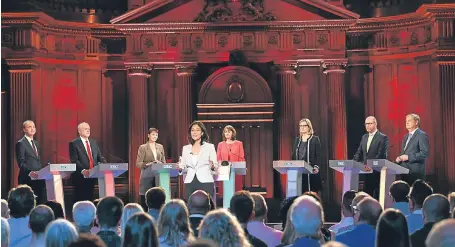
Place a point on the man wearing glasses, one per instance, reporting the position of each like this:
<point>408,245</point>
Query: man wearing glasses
<point>374,145</point>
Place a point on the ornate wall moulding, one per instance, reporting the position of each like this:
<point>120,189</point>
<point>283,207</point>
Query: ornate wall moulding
<point>235,89</point>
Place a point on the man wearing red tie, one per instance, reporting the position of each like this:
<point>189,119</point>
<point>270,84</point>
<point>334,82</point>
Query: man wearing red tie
<point>86,154</point>
<point>28,160</point>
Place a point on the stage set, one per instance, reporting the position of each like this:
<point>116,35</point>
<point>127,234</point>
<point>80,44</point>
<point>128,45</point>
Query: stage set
<point>260,66</point>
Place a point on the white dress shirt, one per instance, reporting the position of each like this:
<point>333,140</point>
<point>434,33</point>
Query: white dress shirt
<point>345,221</point>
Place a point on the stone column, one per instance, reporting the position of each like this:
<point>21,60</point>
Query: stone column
<point>137,122</point>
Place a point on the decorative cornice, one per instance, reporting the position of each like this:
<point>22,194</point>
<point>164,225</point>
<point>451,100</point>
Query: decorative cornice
<point>22,65</point>
<point>187,69</point>
<point>287,68</point>
<point>138,69</point>
<point>334,66</point>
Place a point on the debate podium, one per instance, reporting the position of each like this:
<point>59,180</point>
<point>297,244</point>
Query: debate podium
<point>294,170</point>
<point>53,175</point>
<point>106,172</point>
<point>388,171</point>
<point>163,173</point>
<point>350,170</point>
<point>235,168</point>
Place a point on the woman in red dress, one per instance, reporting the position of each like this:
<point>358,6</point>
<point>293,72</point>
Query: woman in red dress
<point>231,150</point>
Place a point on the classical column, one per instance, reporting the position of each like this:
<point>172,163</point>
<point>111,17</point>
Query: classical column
<point>137,122</point>
<point>287,80</point>
<point>337,127</point>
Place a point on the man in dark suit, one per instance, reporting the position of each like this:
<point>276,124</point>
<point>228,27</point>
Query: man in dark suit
<point>199,206</point>
<point>415,149</point>
<point>374,145</point>
<point>28,159</point>
<point>86,154</point>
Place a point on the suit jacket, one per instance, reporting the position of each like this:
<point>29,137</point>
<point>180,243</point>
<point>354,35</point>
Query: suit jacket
<point>418,237</point>
<point>230,152</point>
<point>418,149</point>
<point>79,156</point>
<point>26,159</point>
<point>195,221</point>
<point>202,168</point>
<point>313,150</point>
<point>145,156</point>
<point>379,147</point>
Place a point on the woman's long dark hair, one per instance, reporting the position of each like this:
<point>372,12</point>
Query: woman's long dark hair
<point>205,135</point>
<point>392,230</point>
<point>140,231</point>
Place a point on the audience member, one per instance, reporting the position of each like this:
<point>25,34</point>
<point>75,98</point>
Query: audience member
<point>257,228</point>
<point>284,209</point>
<point>399,191</point>
<point>419,192</point>
<point>442,234</point>
<point>221,227</point>
<point>451,201</point>
<point>108,215</point>
<point>95,228</point>
<point>334,244</point>
<point>307,218</point>
<point>40,217</point>
<point>60,233</point>
<point>435,209</point>
<point>5,209</point>
<point>56,208</point>
<point>87,240</point>
<point>366,215</point>
<point>128,211</point>
<point>84,213</point>
<point>242,206</point>
<point>359,196</point>
<point>346,212</point>
<point>140,231</point>
<point>202,243</point>
<point>199,206</point>
<point>325,233</point>
<point>288,232</point>
<point>5,232</point>
<point>392,229</point>
<point>155,199</point>
<point>173,225</point>
<point>21,201</point>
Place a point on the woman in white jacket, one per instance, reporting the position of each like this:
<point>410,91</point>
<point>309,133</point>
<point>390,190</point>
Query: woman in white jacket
<point>198,161</point>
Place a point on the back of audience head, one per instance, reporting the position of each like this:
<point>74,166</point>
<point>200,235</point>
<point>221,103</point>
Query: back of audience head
<point>57,208</point>
<point>221,227</point>
<point>60,233</point>
<point>199,202</point>
<point>348,196</point>
<point>399,191</point>
<point>242,206</point>
<point>128,211</point>
<point>5,232</point>
<point>202,243</point>
<point>307,216</point>
<point>84,213</point>
<point>88,240</point>
<point>173,223</point>
<point>21,200</point>
<point>419,192</point>
<point>368,211</point>
<point>260,207</point>
<point>334,244</point>
<point>442,234</point>
<point>435,208</point>
<point>109,212</point>
<point>140,230</point>
<point>392,230</point>
<point>155,198</point>
<point>40,217</point>
<point>452,201</point>
<point>5,209</point>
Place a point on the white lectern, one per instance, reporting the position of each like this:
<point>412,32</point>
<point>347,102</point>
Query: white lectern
<point>294,170</point>
<point>350,170</point>
<point>235,168</point>
<point>106,172</point>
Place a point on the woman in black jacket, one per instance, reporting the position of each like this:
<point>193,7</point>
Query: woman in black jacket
<point>307,146</point>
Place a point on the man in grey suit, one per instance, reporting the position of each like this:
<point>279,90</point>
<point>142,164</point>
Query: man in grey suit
<point>415,149</point>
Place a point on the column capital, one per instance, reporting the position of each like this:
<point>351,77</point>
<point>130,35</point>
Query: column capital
<point>185,69</point>
<point>22,65</point>
<point>287,68</point>
<point>334,65</point>
<point>138,69</point>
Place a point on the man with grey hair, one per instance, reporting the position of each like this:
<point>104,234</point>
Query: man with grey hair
<point>40,217</point>
<point>307,219</point>
<point>366,215</point>
<point>415,148</point>
<point>5,233</point>
<point>435,209</point>
<point>256,226</point>
<point>5,209</point>
<point>84,213</point>
<point>442,234</point>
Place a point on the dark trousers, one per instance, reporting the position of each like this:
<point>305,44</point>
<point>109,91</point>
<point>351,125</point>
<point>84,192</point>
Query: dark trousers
<point>83,188</point>
<point>371,184</point>
<point>38,187</point>
<point>196,185</point>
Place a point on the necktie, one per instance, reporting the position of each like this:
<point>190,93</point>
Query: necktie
<point>407,141</point>
<point>34,148</point>
<point>89,152</point>
<point>370,138</point>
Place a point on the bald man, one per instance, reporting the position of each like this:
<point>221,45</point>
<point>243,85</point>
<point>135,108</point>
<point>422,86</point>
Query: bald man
<point>442,234</point>
<point>307,218</point>
<point>199,206</point>
<point>366,215</point>
<point>374,145</point>
<point>86,154</point>
<point>435,209</point>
